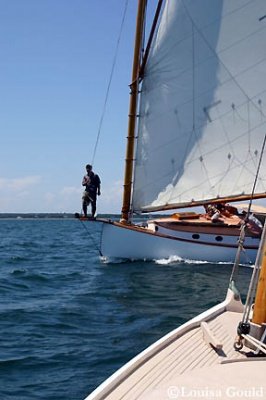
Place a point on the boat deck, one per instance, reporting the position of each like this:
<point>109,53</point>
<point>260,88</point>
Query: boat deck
<point>193,218</point>
<point>189,363</point>
<point>229,225</point>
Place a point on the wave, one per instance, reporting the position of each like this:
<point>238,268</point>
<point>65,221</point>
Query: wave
<point>177,260</point>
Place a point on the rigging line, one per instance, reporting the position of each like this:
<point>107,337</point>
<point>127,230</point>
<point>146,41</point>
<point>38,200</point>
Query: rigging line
<point>254,279</point>
<point>242,235</point>
<point>249,127</point>
<point>257,175</point>
<point>110,81</point>
<point>92,238</point>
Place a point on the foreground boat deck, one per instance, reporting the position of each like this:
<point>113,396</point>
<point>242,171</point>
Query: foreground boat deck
<point>189,362</point>
<point>200,367</point>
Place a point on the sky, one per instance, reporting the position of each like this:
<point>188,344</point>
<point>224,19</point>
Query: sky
<point>55,65</point>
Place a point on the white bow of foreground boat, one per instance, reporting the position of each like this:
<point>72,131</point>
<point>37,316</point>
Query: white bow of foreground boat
<point>196,360</point>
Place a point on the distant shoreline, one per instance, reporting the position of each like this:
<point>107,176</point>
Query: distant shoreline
<point>42,215</point>
<point>19,216</point>
<point>35,215</point>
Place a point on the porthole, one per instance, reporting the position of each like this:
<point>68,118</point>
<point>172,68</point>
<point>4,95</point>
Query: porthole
<point>156,228</point>
<point>219,238</point>
<point>195,236</point>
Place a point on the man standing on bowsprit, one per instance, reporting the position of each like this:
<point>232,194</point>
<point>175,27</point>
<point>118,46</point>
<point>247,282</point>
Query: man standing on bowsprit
<point>92,184</point>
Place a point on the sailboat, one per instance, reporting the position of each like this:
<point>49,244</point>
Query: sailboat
<point>221,353</point>
<point>197,121</point>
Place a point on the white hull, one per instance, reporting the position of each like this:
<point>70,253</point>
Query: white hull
<point>121,241</point>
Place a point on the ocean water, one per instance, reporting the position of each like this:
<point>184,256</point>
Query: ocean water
<point>68,319</point>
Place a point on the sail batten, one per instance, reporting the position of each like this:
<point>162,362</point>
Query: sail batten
<point>202,105</point>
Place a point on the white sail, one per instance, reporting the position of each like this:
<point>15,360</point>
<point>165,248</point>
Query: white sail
<point>203,104</point>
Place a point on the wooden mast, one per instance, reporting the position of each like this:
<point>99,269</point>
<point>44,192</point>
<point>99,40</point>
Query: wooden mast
<point>259,312</point>
<point>133,110</point>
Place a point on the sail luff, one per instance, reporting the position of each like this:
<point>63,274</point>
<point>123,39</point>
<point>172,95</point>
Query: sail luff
<point>153,28</point>
<point>132,110</point>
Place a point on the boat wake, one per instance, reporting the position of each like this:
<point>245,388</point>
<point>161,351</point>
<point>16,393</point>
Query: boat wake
<point>162,261</point>
<point>115,260</point>
<point>177,260</point>
<point>171,260</point>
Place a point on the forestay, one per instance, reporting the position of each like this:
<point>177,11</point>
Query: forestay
<point>203,104</point>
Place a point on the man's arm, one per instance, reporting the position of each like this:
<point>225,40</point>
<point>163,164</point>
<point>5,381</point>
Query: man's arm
<point>99,187</point>
<point>85,180</point>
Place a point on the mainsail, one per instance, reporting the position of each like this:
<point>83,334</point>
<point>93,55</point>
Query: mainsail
<point>202,113</point>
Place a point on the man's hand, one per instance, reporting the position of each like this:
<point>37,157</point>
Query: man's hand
<point>86,181</point>
<point>99,193</point>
